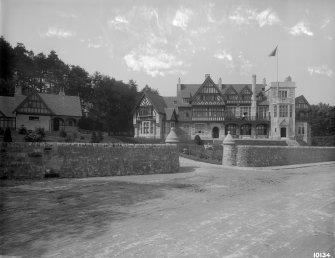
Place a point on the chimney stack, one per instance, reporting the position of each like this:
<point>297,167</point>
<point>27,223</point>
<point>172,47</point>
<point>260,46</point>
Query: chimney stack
<point>253,87</point>
<point>179,85</point>
<point>253,97</point>
<point>220,83</point>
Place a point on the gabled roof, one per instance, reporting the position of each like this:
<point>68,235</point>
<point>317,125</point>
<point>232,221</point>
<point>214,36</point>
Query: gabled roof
<point>62,105</point>
<point>33,93</point>
<point>58,104</point>
<point>230,90</point>
<point>8,104</point>
<point>156,100</point>
<point>246,88</point>
<point>170,114</point>
<point>207,80</point>
<point>189,90</point>
<point>301,99</point>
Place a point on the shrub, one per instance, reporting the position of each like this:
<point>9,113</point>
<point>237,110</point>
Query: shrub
<point>68,138</point>
<point>7,135</point>
<point>22,130</point>
<point>62,133</point>
<point>74,135</point>
<point>33,137</point>
<point>100,136</point>
<point>41,132</point>
<point>94,138</point>
<point>197,140</point>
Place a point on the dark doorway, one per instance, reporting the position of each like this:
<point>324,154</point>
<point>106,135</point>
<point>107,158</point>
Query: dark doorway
<point>215,132</point>
<point>58,122</point>
<point>283,132</point>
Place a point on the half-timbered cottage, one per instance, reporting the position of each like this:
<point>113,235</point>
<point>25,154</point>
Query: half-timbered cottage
<point>212,109</point>
<point>40,110</point>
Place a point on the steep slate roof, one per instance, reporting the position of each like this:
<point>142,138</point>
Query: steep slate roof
<point>301,99</point>
<point>62,105</point>
<point>59,105</point>
<point>169,113</point>
<point>157,101</point>
<point>8,104</point>
<point>188,90</point>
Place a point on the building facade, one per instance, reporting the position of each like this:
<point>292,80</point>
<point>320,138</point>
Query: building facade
<point>211,110</point>
<point>53,112</point>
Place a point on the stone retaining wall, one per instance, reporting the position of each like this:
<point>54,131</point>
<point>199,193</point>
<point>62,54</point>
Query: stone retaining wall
<point>262,156</point>
<point>34,160</point>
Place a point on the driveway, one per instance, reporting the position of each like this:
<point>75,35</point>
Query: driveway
<point>205,210</point>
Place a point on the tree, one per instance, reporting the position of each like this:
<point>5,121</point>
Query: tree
<point>6,68</point>
<point>147,88</point>
<point>112,103</point>
<point>322,118</point>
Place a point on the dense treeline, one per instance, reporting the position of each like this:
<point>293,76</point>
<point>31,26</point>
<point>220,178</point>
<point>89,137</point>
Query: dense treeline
<point>322,119</point>
<point>109,102</point>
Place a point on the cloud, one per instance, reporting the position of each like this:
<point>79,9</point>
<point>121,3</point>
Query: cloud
<point>329,37</point>
<point>245,16</point>
<point>299,29</point>
<point>325,22</point>
<point>54,32</point>
<point>153,61</point>
<point>118,22</point>
<point>182,18</point>
<point>267,17</point>
<point>223,55</point>
<point>322,70</point>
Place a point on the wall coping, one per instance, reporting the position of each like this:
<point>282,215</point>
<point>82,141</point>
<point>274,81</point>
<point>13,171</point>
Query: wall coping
<point>286,147</point>
<point>127,145</point>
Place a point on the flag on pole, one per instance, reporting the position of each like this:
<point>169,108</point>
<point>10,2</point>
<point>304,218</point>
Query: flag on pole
<point>274,52</point>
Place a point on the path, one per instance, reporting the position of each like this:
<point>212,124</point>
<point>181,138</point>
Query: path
<point>206,211</point>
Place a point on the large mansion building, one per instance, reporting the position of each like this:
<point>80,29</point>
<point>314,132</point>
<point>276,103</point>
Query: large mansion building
<point>211,110</point>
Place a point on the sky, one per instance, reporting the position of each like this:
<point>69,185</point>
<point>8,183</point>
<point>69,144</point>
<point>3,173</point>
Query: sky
<point>156,42</point>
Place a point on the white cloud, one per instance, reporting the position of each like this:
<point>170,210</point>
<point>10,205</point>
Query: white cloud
<point>245,16</point>
<point>58,33</point>
<point>97,42</point>
<point>182,18</point>
<point>299,29</point>
<point>267,17</point>
<point>329,37</point>
<point>223,55</point>
<point>118,22</point>
<point>325,22</point>
<point>322,70</point>
<point>153,61</point>
<point>240,16</point>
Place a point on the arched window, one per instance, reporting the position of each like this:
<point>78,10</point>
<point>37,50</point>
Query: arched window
<point>246,129</point>
<point>261,130</point>
<point>231,128</point>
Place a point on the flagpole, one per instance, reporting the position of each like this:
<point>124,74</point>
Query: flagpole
<point>277,73</point>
